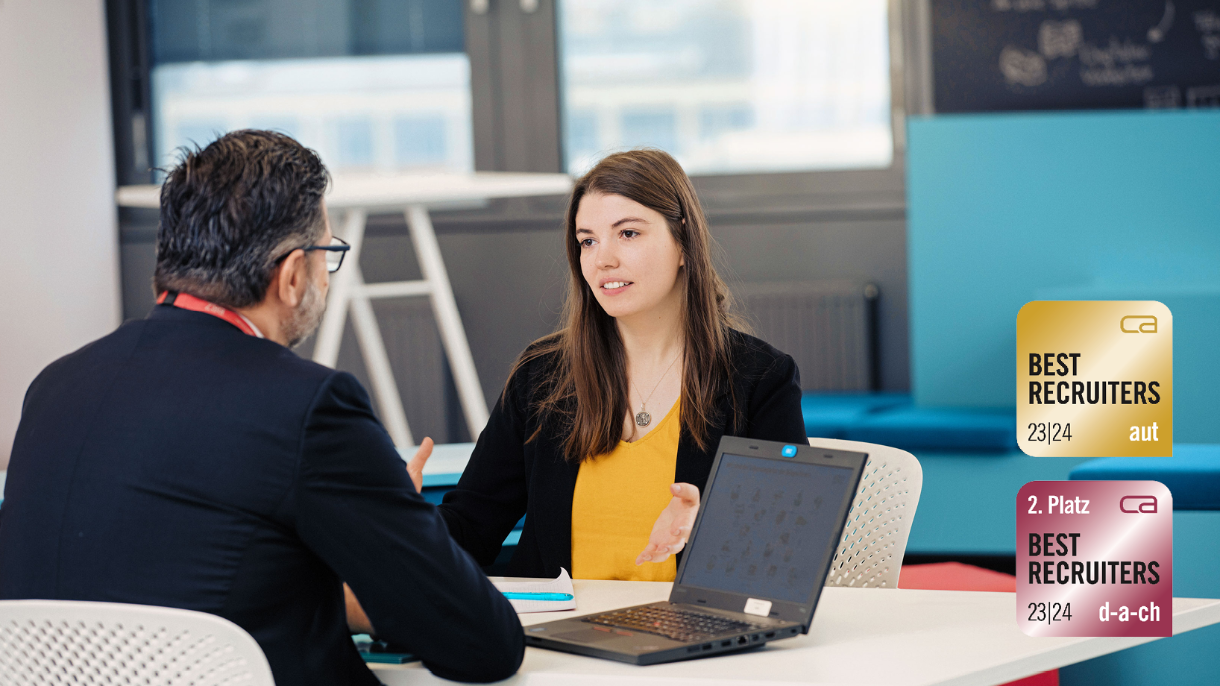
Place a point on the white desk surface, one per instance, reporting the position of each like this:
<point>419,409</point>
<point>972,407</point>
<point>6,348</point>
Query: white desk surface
<point>859,636</point>
<point>396,191</point>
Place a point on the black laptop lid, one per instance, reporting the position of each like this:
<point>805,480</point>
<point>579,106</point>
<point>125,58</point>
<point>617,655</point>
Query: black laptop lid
<point>771,518</point>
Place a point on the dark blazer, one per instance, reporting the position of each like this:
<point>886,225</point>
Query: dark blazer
<point>179,462</point>
<point>508,477</point>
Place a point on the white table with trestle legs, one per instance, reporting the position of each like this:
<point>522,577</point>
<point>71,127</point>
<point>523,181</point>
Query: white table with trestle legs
<point>859,636</point>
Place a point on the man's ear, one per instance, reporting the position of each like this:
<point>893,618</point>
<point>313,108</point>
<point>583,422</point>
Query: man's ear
<point>290,282</point>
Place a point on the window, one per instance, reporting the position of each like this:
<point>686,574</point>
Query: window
<point>728,86</point>
<point>372,85</point>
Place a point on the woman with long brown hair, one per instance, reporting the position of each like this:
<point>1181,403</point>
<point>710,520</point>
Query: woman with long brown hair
<point>606,430</point>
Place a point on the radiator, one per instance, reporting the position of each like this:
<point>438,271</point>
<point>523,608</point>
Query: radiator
<point>829,328</point>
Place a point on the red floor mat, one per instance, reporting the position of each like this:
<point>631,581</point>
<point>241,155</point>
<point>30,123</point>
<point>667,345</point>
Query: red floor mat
<point>955,576</point>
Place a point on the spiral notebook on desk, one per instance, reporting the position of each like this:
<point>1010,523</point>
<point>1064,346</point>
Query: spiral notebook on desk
<point>550,595</point>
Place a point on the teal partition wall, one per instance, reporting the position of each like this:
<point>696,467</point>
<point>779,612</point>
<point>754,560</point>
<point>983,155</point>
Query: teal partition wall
<point>1008,208</point>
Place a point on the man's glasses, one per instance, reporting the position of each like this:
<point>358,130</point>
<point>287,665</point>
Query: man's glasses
<point>334,253</point>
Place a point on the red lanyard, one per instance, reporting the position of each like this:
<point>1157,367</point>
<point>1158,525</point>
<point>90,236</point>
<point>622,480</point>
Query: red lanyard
<point>190,302</point>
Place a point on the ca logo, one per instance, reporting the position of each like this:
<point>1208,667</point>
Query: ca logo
<point>1138,504</point>
<point>1138,324</point>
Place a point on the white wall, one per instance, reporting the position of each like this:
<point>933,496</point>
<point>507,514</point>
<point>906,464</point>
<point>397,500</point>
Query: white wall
<point>58,242</point>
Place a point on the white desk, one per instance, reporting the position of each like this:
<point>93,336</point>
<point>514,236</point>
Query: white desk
<point>350,199</point>
<point>859,636</point>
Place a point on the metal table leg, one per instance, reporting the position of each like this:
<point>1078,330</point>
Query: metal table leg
<point>453,335</point>
<point>330,333</point>
<point>348,289</point>
<point>372,346</point>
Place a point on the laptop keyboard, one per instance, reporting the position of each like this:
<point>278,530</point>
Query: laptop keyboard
<point>680,625</point>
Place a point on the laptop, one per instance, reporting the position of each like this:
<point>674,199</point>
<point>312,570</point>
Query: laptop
<point>769,522</point>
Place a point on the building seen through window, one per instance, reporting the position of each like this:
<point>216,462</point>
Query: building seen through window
<point>372,85</point>
<point>728,86</point>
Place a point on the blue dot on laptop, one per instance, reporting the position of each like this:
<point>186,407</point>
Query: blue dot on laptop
<point>788,451</point>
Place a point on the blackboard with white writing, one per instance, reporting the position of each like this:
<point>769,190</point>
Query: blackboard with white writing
<point>996,55</point>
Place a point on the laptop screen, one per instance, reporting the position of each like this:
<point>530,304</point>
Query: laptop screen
<point>767,527</point>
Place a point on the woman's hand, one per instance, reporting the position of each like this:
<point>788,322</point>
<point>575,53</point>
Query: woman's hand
<point>415,468</point>
<point>673,527</point>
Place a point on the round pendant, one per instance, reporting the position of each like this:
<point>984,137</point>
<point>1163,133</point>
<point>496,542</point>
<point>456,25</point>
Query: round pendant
<point>642,418</point>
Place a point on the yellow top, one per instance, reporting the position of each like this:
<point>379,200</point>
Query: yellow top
<point>618,498</point>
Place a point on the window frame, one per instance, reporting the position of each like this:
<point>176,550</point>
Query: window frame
<point>514,54</point>
<point>513,48</point>
<point>844,193</point>
<point>500,108</point>
<point>130,93</point>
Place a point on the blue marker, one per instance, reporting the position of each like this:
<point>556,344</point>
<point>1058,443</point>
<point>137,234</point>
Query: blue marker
<point>537,596</point>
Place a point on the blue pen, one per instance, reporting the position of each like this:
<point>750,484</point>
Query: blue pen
<point>537,596</point>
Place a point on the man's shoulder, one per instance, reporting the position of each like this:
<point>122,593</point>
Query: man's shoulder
<point>253,362</point>
<point>287,361</point>
<point>208,354</point>
<point>116,344</point>
<point>218,344</point>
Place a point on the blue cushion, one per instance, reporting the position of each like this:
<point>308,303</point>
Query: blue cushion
<point>827,415</point>
<point>939,428</point>
<point>1192,475</point>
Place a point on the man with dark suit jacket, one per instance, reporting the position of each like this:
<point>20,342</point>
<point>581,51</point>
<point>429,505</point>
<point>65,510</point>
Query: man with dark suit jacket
<point>192,460</point>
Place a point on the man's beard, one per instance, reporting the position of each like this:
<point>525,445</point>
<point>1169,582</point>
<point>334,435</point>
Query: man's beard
<point>306,317</point>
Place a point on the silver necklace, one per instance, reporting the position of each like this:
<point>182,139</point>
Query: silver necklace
<point>642,418</point>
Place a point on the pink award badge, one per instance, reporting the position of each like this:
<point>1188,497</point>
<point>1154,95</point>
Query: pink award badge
<point>1095,558</point>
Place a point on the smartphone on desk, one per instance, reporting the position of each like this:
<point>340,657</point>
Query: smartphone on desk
<point>383,652</point>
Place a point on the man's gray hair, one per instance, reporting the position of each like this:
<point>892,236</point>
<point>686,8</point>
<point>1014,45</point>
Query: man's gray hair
<point>231,209</point>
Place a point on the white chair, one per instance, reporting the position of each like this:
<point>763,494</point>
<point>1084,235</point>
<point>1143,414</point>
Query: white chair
<point>72,642</point>
<point>879,522</point>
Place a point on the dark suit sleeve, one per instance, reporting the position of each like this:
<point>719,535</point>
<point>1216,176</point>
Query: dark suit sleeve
<point>774,410</point>
<point>492,494</point>
<point>356,508</point>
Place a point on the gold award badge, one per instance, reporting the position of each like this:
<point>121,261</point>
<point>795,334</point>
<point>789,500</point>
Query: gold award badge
<point>1095,378</point>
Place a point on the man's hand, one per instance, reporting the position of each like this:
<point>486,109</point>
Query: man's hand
<point>357,621</point>
<point>416,466</point>
<point>673,527</point>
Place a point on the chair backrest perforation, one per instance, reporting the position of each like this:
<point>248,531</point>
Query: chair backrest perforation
<point>46,642</point>
<point>870,552</point>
